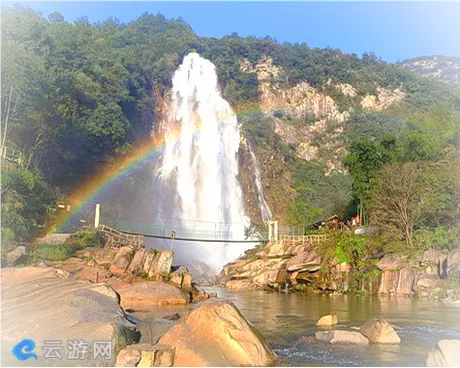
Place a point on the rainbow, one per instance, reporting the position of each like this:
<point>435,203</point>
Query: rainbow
<point>102,178</point>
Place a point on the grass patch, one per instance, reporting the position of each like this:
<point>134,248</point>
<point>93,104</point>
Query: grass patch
<point>50,252</point>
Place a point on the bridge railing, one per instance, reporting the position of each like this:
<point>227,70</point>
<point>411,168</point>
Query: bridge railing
<point>304,239</point>
<point>118,238</point>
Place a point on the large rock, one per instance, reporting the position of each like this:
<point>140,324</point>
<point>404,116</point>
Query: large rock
<point>453,265</point>
<point>434,261</point>
<point>380,332</point>
<point>137,263</point>
<point>304,261</point>
<point>162,263</point>
<point>216,334</point>
<point>145,355</point>
<point>122,260</point>
<point>390,263</point>
<point>406,281</point>
<point>446,353</point>
<point>329,320</point>
<point>427,283</point>
<point>16,255</point>
<point>151,293</point>
<point>341,337</point>
<point>182,278</point>
<point>388,282</point>
<point>41,304</point>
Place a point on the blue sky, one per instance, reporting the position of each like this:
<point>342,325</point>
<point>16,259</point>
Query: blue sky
<point>393,30</point>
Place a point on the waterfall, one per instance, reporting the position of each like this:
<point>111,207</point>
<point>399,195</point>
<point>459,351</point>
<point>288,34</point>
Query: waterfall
<point>196,178</point>
<point>264,209</point>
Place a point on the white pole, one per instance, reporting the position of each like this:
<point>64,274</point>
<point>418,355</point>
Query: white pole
<point>97,215</point>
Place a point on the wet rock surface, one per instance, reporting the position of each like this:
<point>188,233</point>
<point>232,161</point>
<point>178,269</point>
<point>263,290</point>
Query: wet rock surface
<point>341,337</point>
<point>380,331</point>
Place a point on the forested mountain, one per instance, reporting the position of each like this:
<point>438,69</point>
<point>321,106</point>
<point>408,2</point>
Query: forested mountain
<point>442,67</point>
<point>322,123</point>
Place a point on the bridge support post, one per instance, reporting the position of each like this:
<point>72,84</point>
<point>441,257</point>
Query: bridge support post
<point>273,230</point>
<point>97,215</point>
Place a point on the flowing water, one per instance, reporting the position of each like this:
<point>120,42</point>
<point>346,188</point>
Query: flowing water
<point>264,209</point>
<point>284,319</point>
<point>196,184</point>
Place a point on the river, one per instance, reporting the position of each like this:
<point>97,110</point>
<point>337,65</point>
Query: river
<point>285,318</point>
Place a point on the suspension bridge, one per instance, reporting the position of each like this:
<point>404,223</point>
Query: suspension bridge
<point>123,232</point>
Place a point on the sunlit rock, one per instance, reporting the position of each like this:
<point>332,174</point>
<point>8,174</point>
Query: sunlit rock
<point>446,353</point>
<point>217,334</point>
<point>380,331</point>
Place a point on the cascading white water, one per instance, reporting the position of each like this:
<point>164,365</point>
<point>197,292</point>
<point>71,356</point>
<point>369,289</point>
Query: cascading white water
<point>264,209</point>
<point>197,175</point>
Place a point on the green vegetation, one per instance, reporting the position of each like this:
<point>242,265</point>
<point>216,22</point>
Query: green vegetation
<point>52,252</point>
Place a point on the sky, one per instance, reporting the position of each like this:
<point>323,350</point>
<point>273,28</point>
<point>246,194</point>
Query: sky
<point>393,30</point>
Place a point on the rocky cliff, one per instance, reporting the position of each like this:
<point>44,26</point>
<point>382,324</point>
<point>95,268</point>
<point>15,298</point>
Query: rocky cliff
<point>442,67</point>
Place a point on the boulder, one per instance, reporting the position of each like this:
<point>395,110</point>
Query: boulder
<point>406,281</point>
<point>151,293</point>
<point>122,260</point>
<point>390,263</point>
<point>304,261</point>
<point>182,278</point>
<point>43,303</point>
<point>161,264</point>
<point>388,282</point>
<point>380,332</point>
<point>145,355</point>
<point>446,353</point>
<point>427,283</point>
<point>453,264</point>
<point>137,263</point>
<point>329,320</point>
<point>197,295</point>
<point>341,337</point>
<point>16,255</point>
<point>216,334</point>
<point>148,259</point>
<point>434,261</point>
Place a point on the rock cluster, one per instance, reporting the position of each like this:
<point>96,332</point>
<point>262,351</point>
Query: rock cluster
<point>286,264</point>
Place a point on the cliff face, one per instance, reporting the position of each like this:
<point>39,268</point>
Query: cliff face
<point>310,121</point>
<point>442,67</point>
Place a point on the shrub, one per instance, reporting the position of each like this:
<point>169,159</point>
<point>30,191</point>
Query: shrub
<point>51,252</point>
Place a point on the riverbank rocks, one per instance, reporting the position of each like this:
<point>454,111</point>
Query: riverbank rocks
<point>16,255</point>
<point>380,332</point>
<point>446,353</point>
<point>46,304</point>
<point>304,261</point>
<point>145,355</point>
<point>151,293</point>
<point>181,277</point>
<point>341,337</point>
<point>329,320</point>
<point>216,334</point>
